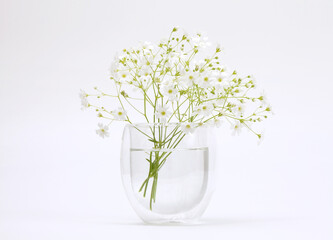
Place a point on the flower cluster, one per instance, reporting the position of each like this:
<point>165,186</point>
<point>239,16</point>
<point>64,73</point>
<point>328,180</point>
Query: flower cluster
<point>171,82</point>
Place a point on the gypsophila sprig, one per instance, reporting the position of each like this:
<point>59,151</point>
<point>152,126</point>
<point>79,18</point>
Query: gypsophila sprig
<point>176,80</point>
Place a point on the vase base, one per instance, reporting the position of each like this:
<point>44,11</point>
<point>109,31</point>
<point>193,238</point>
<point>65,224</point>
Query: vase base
<point>174,222</point>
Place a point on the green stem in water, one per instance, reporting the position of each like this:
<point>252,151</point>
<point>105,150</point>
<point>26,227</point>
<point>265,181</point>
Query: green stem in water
<point>173,139</point>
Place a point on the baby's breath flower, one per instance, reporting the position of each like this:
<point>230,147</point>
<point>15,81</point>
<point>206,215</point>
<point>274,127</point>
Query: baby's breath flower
<point>203,124</point>
<point>84,101</point>
<point>114,66</point>
<point>163,42</point>
<point>123,76</point>
<point>237,127</point>
<point>173,58</point>
<point>223,68</point>
<point>221,78</point>
<point>188,127</point>
<point>205,80</point>
<point>200,41</point>
<point>162,113</point>
<point>84,104</point>
<point>189,79</point>
<point>102,131</point>
<point>145,71</point>
<point>216,122</point>
<point>197,110</point>
<point>147,61</point>
<point>206,109</point>
<point>119,114</point>
<point>171,92</point>
<point>221,112</point>
<point>147,47</point>
<point>83,95</point>
<point>239,109</point>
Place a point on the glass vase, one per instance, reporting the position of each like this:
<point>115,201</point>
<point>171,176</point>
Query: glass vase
<point>167,173</point>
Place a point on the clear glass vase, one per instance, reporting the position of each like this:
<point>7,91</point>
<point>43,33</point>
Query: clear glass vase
<point>167,174</point>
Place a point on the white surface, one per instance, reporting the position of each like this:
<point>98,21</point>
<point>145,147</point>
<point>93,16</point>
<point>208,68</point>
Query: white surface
<point>58,180</point>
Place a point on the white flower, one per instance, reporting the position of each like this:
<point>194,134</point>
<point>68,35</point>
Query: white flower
<point>145,71</point>
<point>252,83</point>
<point>170,91</point>
<point>205,80</point>
<point>114,66</point>
<point>173,58</point>
<point>162,113</point>
<point>200,41</point>
<point>239,109</point>
<point>197,110</point>
<point>123,76</point>
<point>220,101</point>
<point>221,77</point>
<point>189,79</point>
<point>203,124</point>
<point>147,47</point>
<point>180,69</point>
<point>188,127</point>
<point>84,101</point>
<point>168,64</point>
<point>103,130</point>
<point>210,96</point>
<point>223,68</point>
<point>84,104</point>
<point>166,81</point>
<point>145,74</point>
<point>163,41</point>
<point>221,80</point>
<point>236,128</point>
<point>216,122</point>
<point>206,109</point>
<point>222,112</point>
<point>199,64</point>
<point>143,82</point>
<point>147,60</point>
<point>83,95</point>
<point>119,114</point>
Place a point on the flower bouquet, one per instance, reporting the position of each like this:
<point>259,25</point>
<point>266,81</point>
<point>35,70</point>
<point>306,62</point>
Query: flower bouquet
<point>176,90</point>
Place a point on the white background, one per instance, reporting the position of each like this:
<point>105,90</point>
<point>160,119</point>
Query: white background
<point>58,180</point>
